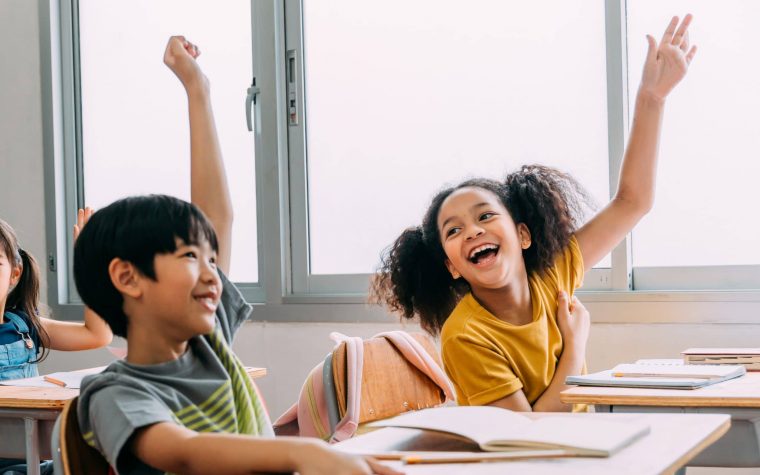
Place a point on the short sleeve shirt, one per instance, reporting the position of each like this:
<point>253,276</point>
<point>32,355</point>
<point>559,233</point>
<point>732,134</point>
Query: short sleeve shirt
<point>205,390</point>
<point>488,359</point>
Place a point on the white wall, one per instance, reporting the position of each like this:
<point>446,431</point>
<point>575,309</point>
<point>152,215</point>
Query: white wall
<point>287,350</point>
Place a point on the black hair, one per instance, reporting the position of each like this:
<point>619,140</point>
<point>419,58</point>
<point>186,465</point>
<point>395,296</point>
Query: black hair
<point>413,279</point>
<point>134,229</point>
<point>25,296</point>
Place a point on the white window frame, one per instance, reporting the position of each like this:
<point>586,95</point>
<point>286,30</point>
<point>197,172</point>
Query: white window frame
<point>285,291</point>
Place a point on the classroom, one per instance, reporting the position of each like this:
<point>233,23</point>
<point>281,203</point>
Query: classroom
<point>339,121</point>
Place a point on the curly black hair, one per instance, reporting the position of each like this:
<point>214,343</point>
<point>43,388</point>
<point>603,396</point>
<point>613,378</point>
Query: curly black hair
<point>413,280</point>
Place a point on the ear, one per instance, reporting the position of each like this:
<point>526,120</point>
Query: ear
<point>454,273</point>
<point>16,275</point>
<point>125,277</point>
<point>524,233</point>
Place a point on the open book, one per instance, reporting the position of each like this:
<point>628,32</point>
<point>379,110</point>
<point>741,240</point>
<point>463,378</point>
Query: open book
<point>665,376</point>
<point>748,357</point>
<point>495,430</point>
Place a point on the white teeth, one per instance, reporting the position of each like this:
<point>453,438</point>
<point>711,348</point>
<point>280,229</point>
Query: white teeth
<point>482,248</point>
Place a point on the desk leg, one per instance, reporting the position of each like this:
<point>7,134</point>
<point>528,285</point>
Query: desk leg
<point>32,447</point>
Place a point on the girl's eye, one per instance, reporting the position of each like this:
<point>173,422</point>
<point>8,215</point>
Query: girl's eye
<point>452,231</point>
<point>485,216</point>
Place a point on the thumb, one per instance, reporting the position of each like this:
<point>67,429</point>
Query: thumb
<point>563,302</point>
<point>652,50</point>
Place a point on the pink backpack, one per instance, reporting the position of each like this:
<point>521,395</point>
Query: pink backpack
<point>331,410</point>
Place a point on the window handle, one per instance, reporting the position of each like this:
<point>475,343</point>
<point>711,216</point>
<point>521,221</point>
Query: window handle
<point>250,100</point>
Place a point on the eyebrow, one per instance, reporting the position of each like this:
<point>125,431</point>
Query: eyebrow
<point>473,207</point>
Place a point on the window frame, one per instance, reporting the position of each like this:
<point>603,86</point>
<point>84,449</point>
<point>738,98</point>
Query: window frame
<point>285,291</point>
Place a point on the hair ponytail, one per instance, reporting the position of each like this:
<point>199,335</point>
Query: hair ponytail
<point>413,281</point>
<point>25,295</point>
<point>551,204</point>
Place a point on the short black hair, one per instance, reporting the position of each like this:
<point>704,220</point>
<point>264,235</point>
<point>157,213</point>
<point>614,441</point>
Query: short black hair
<point>133,229</point>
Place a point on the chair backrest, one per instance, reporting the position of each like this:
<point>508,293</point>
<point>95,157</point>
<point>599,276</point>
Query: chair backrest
<point>372,379</point>
<point>75,456</point>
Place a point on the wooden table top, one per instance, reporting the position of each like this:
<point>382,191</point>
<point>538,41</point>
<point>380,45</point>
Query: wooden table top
<point>740,392</point>
<point>21,397</point>
<point>674,439</point>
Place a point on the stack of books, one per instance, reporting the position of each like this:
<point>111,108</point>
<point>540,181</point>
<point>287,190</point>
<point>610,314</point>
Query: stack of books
<point>748,357</point>
<point>659,374</point>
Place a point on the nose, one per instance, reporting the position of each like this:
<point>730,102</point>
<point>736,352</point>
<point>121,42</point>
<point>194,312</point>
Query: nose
<point>209,273</point>
<point>473,231</point>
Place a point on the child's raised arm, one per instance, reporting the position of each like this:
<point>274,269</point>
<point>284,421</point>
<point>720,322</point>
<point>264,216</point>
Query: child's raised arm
<point>74,336</point>
<point>208,181</point>
<point>665,66</point>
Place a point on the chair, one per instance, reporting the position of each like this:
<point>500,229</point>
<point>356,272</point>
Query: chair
<point>71,454</point>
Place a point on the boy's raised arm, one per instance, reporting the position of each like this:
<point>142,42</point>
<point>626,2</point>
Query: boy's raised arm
<point>208,181</point>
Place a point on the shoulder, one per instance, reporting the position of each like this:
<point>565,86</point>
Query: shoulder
<point>567,271</point>
<point>233,310</point>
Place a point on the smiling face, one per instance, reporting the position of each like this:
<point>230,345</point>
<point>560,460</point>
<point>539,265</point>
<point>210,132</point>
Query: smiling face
<point>483,245</point>
<point>183,298</point>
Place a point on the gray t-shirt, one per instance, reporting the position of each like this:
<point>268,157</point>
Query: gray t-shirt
<point>205,390</point>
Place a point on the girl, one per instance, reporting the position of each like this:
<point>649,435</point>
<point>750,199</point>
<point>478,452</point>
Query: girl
<point>493,264</point>
<point>25,336</point>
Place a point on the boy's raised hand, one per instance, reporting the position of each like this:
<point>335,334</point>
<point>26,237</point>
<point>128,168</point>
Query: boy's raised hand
<point>667,63</point>
<point>180,57</point>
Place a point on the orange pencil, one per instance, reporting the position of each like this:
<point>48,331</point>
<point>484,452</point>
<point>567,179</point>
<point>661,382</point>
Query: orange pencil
<point>54,381</point>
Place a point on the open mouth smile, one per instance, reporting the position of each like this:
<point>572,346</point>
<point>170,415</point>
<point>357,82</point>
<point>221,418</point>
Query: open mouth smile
<point>483,254</point>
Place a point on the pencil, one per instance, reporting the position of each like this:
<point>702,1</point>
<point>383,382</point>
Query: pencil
<point>477,457</point>
<point>58,382</point>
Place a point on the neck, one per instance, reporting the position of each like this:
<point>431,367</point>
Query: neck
<point>146,346</point>
<point>2,311</point>
<point>511,303</point>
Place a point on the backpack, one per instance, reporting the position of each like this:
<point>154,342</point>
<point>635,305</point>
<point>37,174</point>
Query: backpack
<point>362,381</point>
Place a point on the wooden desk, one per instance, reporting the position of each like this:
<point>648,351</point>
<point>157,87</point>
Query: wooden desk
<point>32,412</point>
<point>739,398</point>
<point>673,440</point>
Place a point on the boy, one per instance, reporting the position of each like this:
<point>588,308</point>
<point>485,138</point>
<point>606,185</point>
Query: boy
<point>153,267</point>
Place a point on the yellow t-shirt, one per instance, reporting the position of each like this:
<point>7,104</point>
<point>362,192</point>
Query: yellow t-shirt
<point>488,359</point>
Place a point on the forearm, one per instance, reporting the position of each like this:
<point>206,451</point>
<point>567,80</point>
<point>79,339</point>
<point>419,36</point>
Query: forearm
<point>570,364</point>
<point>208,182</point>
<point>638,171</point>
<point>75,336</point>
<point>235,454</point>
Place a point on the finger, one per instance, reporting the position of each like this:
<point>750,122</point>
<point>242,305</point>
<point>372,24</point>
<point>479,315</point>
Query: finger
<point>80,218</point>
<point>380,469</point>
<point>563,304</point>
<point>678,38</point>
<point>685,43</point>
<point>667,37</point>
<point>651,50</point>
<point>690,54</point>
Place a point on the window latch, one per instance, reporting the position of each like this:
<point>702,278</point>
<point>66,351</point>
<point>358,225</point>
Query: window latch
<point>250,100</point>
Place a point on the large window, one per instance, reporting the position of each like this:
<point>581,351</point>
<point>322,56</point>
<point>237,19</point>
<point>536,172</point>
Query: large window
<point>134,125</point>
<point>366,109</point>
<point>702,232</point>
<point>395,106</point>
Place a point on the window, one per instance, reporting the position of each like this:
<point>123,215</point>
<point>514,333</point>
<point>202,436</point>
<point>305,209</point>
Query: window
<point>395,106</point>
<point>707,172</point>
<point>133,116</point>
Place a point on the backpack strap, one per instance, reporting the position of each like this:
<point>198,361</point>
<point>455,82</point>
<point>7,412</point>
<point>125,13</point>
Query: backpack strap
<point>347,426</point>
<point>416,354</point>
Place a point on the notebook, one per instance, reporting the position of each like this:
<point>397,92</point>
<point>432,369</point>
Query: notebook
<point>68,379</point>
<point>748,357</point>
<point>665,376</point>
<point>499,430</point>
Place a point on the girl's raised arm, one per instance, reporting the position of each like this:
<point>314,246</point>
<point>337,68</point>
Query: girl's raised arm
<point>74,336</point>
<point>665,66</point>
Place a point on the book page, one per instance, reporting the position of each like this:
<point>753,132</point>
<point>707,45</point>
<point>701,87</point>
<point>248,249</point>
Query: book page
<point>583,435</point>
<point>478,423</point>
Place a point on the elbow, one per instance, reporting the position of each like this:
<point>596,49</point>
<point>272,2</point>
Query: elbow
<point>636,205</point>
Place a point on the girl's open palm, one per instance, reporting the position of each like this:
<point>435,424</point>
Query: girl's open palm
<point>667,63</point>
<point>83,215</point>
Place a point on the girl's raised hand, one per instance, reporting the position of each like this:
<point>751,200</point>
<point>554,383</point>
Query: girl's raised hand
<point>83,215</point>
<point>180,57</point>
<point>667,63</point>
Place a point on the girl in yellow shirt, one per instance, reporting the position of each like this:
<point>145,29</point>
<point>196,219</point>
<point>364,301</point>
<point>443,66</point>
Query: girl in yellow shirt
<point>494,264</point>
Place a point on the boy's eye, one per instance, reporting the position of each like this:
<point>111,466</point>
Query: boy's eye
<point>190,254</point>
<point>485,216</point>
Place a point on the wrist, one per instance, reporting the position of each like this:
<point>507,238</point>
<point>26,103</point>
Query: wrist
<point>648,98</point>
<point>197,87</point>
<point>302,452</point>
